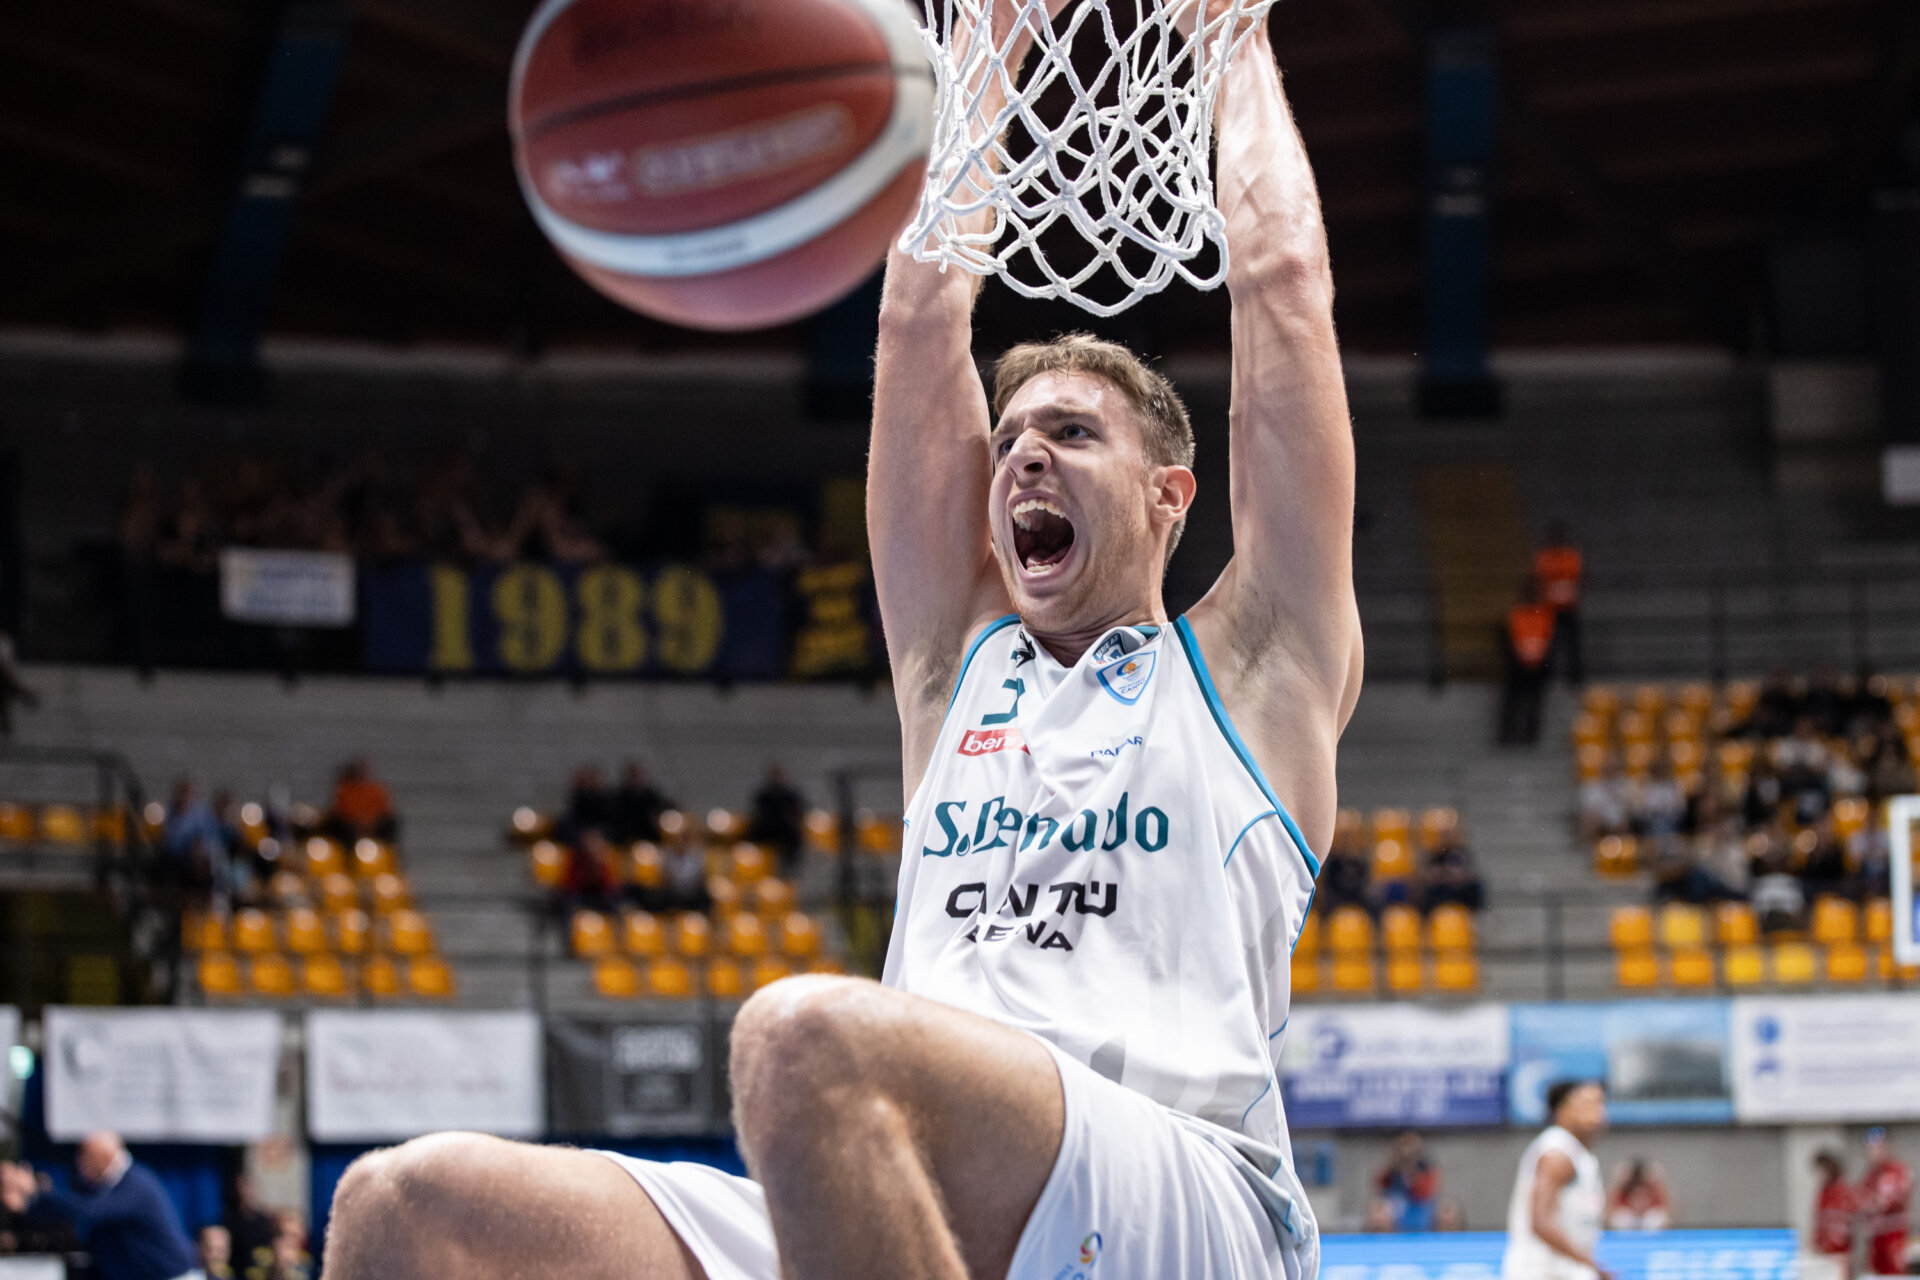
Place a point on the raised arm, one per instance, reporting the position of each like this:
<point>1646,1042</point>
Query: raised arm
<point>1282,619</point>
<point>927,475</point>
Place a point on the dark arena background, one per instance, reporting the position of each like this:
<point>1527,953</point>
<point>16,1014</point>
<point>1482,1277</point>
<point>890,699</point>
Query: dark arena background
<point>436,697</point>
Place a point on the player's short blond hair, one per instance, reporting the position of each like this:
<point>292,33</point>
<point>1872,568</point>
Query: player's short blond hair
<point>1166,433</point>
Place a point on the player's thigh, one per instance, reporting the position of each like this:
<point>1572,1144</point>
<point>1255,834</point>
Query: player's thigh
<point>983,1101</point>
<point>469,1207</point>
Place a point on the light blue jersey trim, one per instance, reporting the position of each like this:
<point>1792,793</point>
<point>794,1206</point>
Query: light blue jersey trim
<point>1256,1102</point>
<point>1191,644</point>
<point>993,628</point>
<point>1271,813</point>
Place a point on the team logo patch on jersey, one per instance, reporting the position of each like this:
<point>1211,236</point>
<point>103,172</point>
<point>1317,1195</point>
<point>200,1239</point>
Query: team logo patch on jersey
<point>1127,678</point>
<point>984,742</point>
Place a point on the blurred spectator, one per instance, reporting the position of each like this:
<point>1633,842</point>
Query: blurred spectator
<point>1680,875</point>
<point>637,805</point>
<point>1826,870</point>
<point>13,688</point>
<point>1719,845</point>
<point>1761,804</point>
<point>1448,875</point>
<point>1779,900</point>
<point>361,806</point>
<point>590,806</point>
<point>1826,707</point>
<point>1870,710</point>
<point>286,1258</point>
<point>1656,804</point>
<point>1380,1219</point>
<point>191,538</point>
<point>1835,1206</point>
<point>1802,760</point>
<point>1448,1215</point>
<point>1556,573</point>
<point>1639,1200</point>
<point>1345,876</point>
<point>193,844</point>
<point>1605,803</point>
<point>253,1224</point>
<point>120,1211</point>
<point>1778,706</point>
<point>779,817</point>
<point>216,1252</point>
<point>684,876</point>
<point>592,877</point>
<point>1529,646</point>
<point>1408,1184</point>
<point>1885,1190</point>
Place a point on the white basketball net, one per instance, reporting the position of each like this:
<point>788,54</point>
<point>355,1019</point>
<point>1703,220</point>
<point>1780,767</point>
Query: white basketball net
<point>1126,165</point>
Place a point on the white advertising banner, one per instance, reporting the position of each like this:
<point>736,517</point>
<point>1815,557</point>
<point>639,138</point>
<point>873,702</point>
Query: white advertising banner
<point>287,588</point>
<point>1391,1065</point>
<point>161,1075</point>
<point>387,1076</point>
<point>9,1027</point>
<point>1826,1058</point>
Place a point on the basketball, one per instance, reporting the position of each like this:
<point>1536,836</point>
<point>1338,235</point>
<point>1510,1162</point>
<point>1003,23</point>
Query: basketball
<point>721,164</point>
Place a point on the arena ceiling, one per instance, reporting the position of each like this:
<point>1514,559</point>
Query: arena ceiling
<point>1651,150</point>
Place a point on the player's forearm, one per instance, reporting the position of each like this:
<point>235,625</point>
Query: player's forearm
<point>1266,189</point>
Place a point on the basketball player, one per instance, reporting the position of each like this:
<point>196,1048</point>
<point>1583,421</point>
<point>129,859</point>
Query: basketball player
<point>1069,1070</point>
<point>1885,1189</point>
<point>1559,1196</point>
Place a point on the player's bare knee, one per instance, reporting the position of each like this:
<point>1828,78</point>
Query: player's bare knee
<point>392,1205</point>
<point>797,1043</point>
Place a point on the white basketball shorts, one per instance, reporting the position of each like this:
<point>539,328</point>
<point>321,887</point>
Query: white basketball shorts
<point>1134,1195</point>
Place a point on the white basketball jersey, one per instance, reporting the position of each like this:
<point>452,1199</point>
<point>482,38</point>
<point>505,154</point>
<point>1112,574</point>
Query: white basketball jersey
<point>1094,856</point>
<point>1581,1208</point>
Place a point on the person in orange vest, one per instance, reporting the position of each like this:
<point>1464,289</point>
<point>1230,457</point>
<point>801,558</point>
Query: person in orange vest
<point>1556,570</point>
<point>1835,1206</point>
<point>1530,627</point>
<point>1884,1192</point>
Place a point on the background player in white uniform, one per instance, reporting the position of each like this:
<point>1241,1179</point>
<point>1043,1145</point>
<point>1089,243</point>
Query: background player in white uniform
<point>895,1135</point>
<point>1559,1196</point>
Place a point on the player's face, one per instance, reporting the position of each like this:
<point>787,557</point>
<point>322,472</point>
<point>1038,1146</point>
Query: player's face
<point>1070,503</point>
<point>1585,1111</point>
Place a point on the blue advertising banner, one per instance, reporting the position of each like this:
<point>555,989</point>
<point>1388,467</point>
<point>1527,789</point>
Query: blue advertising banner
<point>1627,1255</point>
<point>1387,1066</point>
<point>1664,1061</point>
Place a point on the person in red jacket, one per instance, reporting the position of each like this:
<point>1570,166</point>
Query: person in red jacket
<point>1529,637</point>
<point>1884,1193</point>
<point>1835,1206</point>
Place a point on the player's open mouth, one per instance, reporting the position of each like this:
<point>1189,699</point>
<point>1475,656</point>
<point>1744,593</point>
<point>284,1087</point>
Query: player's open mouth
<point>1042,535</point>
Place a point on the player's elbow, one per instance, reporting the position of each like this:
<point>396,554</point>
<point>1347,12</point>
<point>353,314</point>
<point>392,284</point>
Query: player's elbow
<point>1292,283</point>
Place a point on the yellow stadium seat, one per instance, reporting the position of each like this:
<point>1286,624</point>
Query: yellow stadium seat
<point>338,892</point>
<point>529,824</point>
<point>723,979</point>
<point>324,856</point>
<point>1691,967</point>
<point>826,964</point>
<point>390,893</point>
<point>431,977</point>
<point>1353,972</point>
<point>1850,816</point>
<point>1456,971</point>
<point>1734,924</point>
<point>1405,972</point>
<point>408,933</point>
<point>111,825</point>
<point>306,932</point>
<point>1638,967</point>
<point>1682,926</point>
<point>692,936</point>
<point>1879,920</point>
<point>1450,928</point>
<point>822,830</point>
<point>372,857</point>
<point>380,977</point>
<point>1616,856</point>
<point>287,888</point>
<point>1601,700</point>
<point>1590,761</point>
<point>1589,730</point>
<point>1735,756</point>
<point>547,862</point>
<point>725,824</point>
<point>1639,759</point>
<point>1835,921</point>
<point>1847,962</point>
<point>1392,824</point>
<point>1350,931</point>
<point>1392,860</point>
<point>1630,928</point>
<point>271,975</point>
<point>1348,825</point>
<point>202,931</point>
<point>591,934</point>
<point>669,979</point>
<point>1309,939</point>
<point>1891,972</point>
<point>750,863</point>
<point>1793,963</point>
<point>1649,699</point>
<point>1745,966</point>
<point>726,896</point>
<point>219,974</point>
<point>641,934</point>
<point>323,976</point>
<point>799,936</point>
<point>351,931</point>
<point>615,978</point>
<point>646,866</point>
<point>1636,729</point>
<point>1306,972</point>
<point>1696,698</point>
<point>1688,758</point>
<point>746,936</point>
<point>877,835</point>
<point>62,824</point>
<point>1437,823</point>
<point>1681,726</point>
<point>768,970</point>
<point>16,823</point>
<point>1400,929</point>
<point>773,897</point>
<point>253,931</point>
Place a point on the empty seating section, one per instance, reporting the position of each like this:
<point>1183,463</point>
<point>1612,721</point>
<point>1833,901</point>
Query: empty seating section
<point>752,932</point>
<point>331,923</point>
<point>1789,777</point>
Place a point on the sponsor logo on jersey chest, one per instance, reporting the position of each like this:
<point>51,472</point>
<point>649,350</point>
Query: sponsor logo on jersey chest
<point>984,742</point>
